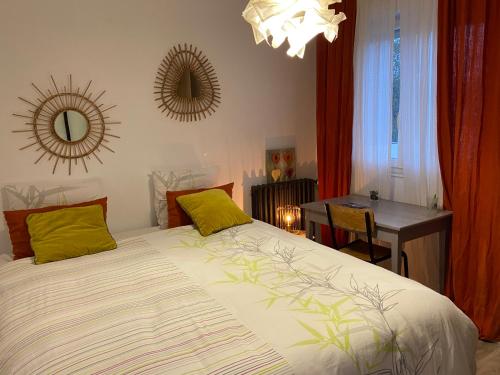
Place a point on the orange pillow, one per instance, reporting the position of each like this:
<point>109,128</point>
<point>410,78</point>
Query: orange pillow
<point>176,215</point>
<point>18,229</point>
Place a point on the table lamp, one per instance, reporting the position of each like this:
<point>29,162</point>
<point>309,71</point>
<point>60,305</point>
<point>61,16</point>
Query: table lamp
<point>288,218</point>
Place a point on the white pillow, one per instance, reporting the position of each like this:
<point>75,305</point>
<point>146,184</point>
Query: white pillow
<point>4,258</point>
<point>21,196</point>
<point>178,180</point>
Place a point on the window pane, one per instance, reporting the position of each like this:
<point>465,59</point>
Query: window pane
<point>396,84</point>
<point>395,91</point>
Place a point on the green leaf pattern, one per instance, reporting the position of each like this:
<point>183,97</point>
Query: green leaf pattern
<point>330,315</point>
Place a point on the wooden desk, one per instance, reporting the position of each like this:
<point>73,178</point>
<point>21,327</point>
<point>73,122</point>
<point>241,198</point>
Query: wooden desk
<point>396,223</point>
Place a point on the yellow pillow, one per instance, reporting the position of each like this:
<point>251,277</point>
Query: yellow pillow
<point>212,211</point>
<point>69,233</point>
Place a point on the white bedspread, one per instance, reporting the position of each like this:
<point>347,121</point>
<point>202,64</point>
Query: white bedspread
<point>251,299</point>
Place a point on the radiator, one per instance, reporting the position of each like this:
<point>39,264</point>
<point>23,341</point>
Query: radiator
<point>268,197</point>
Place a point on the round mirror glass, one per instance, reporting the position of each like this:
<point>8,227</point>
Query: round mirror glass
<point>189,85</point>
<point>71,126</point>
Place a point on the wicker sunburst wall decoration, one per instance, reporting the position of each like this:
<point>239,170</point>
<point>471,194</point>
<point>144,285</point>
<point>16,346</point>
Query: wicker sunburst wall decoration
<point>186,85</point>
<point>67,124</point>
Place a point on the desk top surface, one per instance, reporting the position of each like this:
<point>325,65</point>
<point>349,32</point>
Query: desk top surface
<point>388,214</point>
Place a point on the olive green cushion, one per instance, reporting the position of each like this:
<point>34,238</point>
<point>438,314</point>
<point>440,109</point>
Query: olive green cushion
<point>212,211</point>
<point>68,233</point>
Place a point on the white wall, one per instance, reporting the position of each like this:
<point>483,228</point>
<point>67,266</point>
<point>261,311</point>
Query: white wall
<point>268,98</point>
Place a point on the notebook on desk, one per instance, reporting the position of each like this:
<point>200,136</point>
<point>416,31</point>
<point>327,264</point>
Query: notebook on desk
<point>353,205</point>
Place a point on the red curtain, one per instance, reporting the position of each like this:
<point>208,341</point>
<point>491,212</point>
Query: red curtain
<point>334,111</point>
<point>469,152</point>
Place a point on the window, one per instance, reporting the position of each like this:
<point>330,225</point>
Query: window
<point>394,123</point>
<point>396,84</point>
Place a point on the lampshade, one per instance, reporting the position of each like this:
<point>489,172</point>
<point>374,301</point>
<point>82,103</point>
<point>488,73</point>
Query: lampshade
<point>296,20</point>
<point>288,218</point>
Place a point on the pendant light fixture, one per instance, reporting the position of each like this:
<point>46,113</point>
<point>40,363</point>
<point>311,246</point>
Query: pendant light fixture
<point>299,21</point>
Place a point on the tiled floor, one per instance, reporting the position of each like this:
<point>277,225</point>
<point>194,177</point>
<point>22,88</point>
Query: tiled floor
<point>488,358</point>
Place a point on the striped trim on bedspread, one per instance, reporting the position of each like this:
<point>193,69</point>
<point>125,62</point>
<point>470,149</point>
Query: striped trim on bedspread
<point>124,311</point>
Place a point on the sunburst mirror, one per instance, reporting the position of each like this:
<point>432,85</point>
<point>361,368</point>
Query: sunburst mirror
<point>186,85</point>
<point>67,124</point>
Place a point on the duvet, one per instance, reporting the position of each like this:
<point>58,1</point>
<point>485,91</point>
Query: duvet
<point>248,300</point>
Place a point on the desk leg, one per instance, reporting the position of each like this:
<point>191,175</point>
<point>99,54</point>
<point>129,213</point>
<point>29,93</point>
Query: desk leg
<point>313,229</point>
<point>396,248</point>
<point>317,233</point>
<point>309,226</point>
<point>443,256</point>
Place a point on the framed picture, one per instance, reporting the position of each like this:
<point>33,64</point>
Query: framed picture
<point>280,165</point>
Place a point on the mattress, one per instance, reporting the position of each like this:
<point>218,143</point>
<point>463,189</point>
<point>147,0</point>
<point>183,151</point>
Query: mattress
<point>248,300</point>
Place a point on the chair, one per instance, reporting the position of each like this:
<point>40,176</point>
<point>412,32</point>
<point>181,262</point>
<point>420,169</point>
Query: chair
<point>359,221</point>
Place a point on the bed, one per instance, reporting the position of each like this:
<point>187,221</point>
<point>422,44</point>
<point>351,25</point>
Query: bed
<point>249,300</point>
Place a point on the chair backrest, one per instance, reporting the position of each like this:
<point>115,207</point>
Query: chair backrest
<point>359,220</point>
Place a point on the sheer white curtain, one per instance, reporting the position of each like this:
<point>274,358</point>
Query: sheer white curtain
<point>418,127</point>
<point>418,95</point>
<point>420,180</point>
<point>375,23</point>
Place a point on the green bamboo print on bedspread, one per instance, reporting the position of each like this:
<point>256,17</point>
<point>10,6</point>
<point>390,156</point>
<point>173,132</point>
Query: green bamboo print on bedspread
<point>329,315</point>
